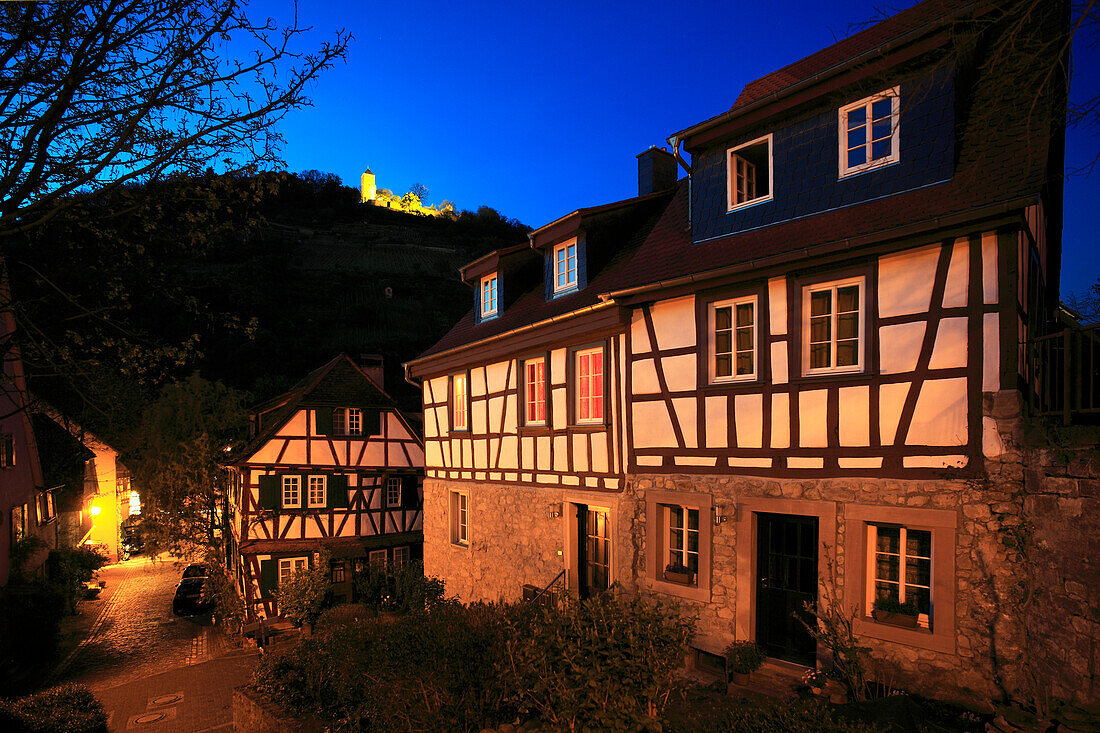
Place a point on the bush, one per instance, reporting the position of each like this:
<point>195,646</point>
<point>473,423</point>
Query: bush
<point>606,663</point>
<point>787,717</point>
<point>66,709</point>
<point>744,657</point>
<point>69,569</point>
<point>301,597</point>
<point>405,590</point>
<point>221,591</point>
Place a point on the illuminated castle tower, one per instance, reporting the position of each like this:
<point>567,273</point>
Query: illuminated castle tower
<point>366,186</point>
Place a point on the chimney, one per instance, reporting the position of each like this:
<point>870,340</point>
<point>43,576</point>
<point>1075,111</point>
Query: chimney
<point>656,170</point>
<point>372,365</point>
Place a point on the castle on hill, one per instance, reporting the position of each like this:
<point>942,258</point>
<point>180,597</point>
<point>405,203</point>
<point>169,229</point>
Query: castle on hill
<point>369,193</point>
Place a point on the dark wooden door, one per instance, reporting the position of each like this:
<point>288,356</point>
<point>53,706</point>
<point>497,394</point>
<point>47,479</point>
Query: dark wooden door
<point>593,550</point>
<point>786,563</point>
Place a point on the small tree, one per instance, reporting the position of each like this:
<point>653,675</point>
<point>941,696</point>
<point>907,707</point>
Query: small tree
<point>302,596</point>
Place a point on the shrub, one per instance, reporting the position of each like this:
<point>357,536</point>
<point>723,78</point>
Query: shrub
<point>606,663</point>
<point>66,709</point>
<point>744,657</point>
<point>405,590</point>
<point>787,717</point>
<point>301,597</point>
<point>220,590</point>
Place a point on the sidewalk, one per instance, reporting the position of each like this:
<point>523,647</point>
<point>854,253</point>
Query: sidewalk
<point>189,699</point>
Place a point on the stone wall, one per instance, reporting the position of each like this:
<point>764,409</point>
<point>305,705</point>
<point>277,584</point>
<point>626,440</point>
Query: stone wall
<point>252,713</point>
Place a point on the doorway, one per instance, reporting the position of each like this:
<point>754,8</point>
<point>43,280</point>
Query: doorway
<point>593,550</point>
<point>787,574</point>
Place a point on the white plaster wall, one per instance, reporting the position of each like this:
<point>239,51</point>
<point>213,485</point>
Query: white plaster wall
<point>905,281</point>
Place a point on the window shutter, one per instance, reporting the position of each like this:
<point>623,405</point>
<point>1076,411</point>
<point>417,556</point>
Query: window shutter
<point>410,497</point>
<point>582,263</point>
<point>477,302</point>
<point>269,576</point>
<point>269,492</point>
<point>324,420</point>
<point>338,491</point>
<point>550,274</point>
<point>372,421</point>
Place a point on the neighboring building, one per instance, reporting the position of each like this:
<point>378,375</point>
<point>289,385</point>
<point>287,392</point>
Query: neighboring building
<point>796,375</point>
<point>335,466</point>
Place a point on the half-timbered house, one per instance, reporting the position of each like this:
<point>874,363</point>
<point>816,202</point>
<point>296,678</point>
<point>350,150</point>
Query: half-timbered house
<point>334,466</point>
<point>793,375</point>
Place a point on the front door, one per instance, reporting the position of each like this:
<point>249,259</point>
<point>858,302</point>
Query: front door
<point>593,550</point>
<point>786,563</point>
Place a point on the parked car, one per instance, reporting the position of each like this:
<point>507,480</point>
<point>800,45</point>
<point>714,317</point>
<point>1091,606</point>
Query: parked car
<point>188,600</point>
<point>195,570</point>
<point>132,543</point>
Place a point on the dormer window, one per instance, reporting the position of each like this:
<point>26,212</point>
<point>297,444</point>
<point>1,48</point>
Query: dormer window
<point>869,133</point>
<point>749,173</point>
<point>565,266</point>
<point>347,421</point>
<point>489,296</point>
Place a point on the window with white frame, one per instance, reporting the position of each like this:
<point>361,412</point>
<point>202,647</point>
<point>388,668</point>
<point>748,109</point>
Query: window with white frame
<point>833,326</point>
<point>589,387</point>
<point>489,295</point>
<point>347,421</point>
<point>749,173</point>
<point>460,502</point>
<point>400,556</point>
<point>565,266</point>
<point>534,391</point>
<point>459,402</point>
<point>900,566</point>
<point>393,491</point>
<point>378,560</point>
<point>288,566</point>
<point>317,495</point>
<point>732,336</point>
<point>681,538</point>
<point>292,492</point>
<point>869,132</point>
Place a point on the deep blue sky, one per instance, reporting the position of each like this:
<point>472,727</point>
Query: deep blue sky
<point>537,109</point>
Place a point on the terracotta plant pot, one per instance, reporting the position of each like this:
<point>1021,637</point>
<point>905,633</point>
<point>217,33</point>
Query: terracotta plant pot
<point>903,620</point>
<point>683,577</point>
<point>741,678</point>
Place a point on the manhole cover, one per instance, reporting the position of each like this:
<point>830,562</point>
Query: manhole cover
<point>149,718</point>
<point>167,699</point>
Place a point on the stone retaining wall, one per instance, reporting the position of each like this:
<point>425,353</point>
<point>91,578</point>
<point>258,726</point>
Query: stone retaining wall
<point>254,714</point>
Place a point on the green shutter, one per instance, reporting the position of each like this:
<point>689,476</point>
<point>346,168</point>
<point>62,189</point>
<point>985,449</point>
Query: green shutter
<point>324,420</point>
<point>269,577</point>
<point>338,491</point>
<point>410,497</point>
<point>269,492</point>
<point>372,422</point>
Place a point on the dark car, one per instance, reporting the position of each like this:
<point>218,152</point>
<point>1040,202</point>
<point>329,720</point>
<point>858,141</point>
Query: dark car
<point>195,570</point>
<point>188,600</point>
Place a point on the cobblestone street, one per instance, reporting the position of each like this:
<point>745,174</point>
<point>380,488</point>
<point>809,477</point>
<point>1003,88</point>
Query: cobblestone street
<point>151,669</point>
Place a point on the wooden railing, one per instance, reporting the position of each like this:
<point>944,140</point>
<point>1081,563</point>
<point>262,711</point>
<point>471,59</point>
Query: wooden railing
<point>1065,370</point>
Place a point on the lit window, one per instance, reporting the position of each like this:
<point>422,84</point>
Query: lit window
<point>749,173</point>
<point>683,539</point>
<point>534,391</point>
<point>400,556</point>
<point>7,450</point>
<point>733,340</point>
<point>292,492</point>
<point>290,565</point>
<point>590,385</point>
<point>347,421</point>
<point>393,491</point>
<point>459,516</point>
<point>458,402</point>
<point>869,132</point>
<point>489,295</point>
<point>317,495</point>
<point>901,566</point>
<point>565,266</point>
<point>833,326</point>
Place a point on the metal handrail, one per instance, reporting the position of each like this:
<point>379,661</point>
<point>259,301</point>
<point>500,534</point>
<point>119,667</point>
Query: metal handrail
<point>549,585</point>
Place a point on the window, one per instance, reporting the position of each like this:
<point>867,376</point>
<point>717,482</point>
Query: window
<point>18,522</point>
<point>682,538</point>
<point>565,266</point>
<point>289,566</point>
<point>458,402</point>
<point>899,563</point>
<point>590,385</point>
<point>377,560</point>
<point>749,173</point>
<point>732,335</point>
<point>534,392</point>
<point>833,326</point>
<point>869,133</point>
<point>292,492</point>
<point>400,556</point>
<point>338,572</point>
<point>7,450</point>
<point>489,295</point>
<point>347,421</point>
<point>459,516</point>
<point>318,497</point>
<point>393,491</point>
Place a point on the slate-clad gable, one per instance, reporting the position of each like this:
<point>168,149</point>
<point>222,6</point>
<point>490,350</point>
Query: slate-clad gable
<point>806,159</point>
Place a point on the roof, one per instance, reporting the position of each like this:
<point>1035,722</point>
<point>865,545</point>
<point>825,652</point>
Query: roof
<point>338,382</point>
<point>844,52</point>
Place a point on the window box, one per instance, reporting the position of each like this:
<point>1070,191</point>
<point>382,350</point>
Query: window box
<point>904,620</point>
<point>683,577</point>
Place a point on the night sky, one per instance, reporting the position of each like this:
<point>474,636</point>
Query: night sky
<point>539,109</point>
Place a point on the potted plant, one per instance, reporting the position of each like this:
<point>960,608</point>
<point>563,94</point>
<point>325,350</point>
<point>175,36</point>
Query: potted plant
<point>895,613</point>
<point>677,573</point>
<point>815,679</point>
<point>742,659</point>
